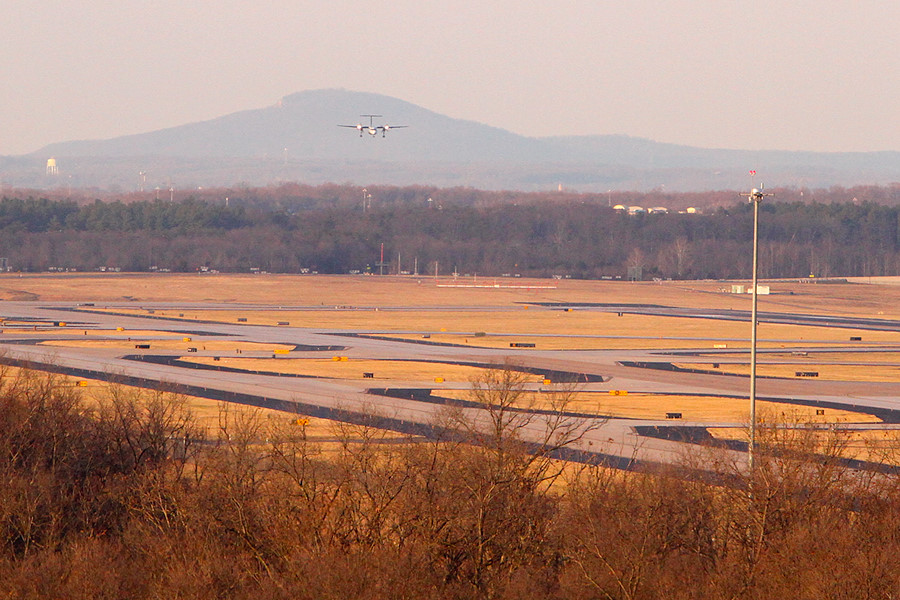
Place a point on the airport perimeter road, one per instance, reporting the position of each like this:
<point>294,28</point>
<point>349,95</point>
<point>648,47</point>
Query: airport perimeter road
<point>29,323</point>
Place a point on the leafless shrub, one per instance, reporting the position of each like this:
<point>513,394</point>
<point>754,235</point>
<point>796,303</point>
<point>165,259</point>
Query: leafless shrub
<point>125,501</point>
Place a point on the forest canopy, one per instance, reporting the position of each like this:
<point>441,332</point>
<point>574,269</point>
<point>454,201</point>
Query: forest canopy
<point>341,229</point>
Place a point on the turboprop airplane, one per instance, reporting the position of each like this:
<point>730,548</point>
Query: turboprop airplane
<point>371,128</point>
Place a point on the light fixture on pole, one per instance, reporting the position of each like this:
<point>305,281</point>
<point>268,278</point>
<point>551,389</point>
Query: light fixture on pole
<point>755,196</point>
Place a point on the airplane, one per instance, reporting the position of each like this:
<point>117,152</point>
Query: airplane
<point>373,129</point>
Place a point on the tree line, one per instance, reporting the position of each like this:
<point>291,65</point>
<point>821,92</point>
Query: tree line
<point>529,235</point>
<point>132,498</point>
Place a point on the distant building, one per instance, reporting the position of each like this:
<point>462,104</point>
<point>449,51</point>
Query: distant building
<point>741,289</point>
<point>52,169</point>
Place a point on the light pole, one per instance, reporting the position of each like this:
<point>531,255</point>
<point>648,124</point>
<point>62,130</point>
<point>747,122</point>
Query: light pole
<point>755,196</point>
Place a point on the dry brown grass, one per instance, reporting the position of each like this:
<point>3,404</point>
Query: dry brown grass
<point>828,372</point>
<point>521,325</point>
<point>108,333</point>
<point>164,344</point>
<point>210,415</point>
<point>503,341</point>
<point>701,409</point>
<point>873,445</point>
<point>330,290</point>
<point>868,356</point>
<point>383,370</point>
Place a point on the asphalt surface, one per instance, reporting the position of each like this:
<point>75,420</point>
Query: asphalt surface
<point>617,439</point>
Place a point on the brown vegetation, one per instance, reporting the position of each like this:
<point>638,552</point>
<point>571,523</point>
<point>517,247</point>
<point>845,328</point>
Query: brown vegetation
<point>132,501</point>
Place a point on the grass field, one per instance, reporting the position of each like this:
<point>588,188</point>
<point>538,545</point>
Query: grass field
<point>170,344</point>
<point>696,409</point>
<point>461,326</point>
<point>332,290</point>
<point>382,370</point>
<point>870,355</point>
<point>828,372</point>
<point>210,415</point>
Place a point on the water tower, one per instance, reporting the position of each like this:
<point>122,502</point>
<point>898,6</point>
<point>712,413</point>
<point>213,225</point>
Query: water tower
<point>52,169</point>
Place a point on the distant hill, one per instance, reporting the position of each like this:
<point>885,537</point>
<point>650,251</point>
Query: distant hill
<point>298,139</point>
<point>306,124</point>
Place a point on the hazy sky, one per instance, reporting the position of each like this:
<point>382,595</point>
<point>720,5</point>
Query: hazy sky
<point>799,75</point>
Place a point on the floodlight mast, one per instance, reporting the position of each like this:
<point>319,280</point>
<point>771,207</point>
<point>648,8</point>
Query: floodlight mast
<point>755,196</point>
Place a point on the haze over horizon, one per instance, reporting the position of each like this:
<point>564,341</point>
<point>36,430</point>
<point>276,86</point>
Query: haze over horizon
<point>817,76</point>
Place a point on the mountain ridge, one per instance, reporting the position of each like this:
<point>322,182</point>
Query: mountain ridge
<point>298,138</point>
